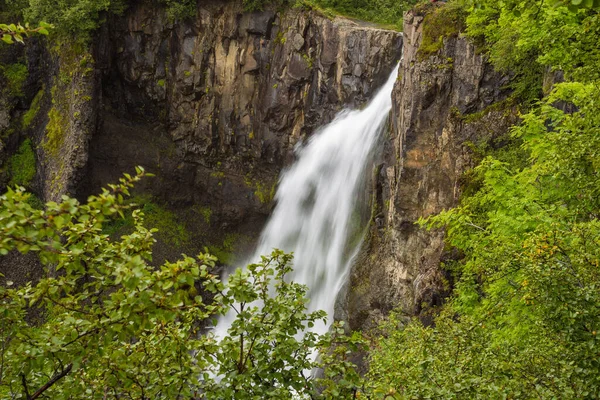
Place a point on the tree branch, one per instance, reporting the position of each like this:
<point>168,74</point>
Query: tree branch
<point>24,383</point>
<point>47,386</point>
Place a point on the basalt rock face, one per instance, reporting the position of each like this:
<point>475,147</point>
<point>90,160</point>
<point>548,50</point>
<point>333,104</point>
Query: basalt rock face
<point>241,85</point>
<point>213,106</point>
<point>442,103</point>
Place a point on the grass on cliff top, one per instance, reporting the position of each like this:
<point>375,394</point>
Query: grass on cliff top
<point>382,13</point>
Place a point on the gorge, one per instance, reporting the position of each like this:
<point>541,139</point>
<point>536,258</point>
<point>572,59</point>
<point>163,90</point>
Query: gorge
<point>215,106</point>
<point>433,192</point>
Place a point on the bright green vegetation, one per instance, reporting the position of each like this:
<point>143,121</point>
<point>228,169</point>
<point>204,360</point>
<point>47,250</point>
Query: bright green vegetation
<point>439,23</point>
<point>16,33</point>
<point>117,327</point>
<point>168,227</point>
<point>22,165</point>
<point>526,40</point>
<point>84,16</point>
<point>524,317</point>
<point>15,75</point>
<point>34,109</point>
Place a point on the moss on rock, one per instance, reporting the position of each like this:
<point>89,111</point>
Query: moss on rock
<point>22,166</point>
<point>170,229</point>
<point>15,75</point>
<point>54,131</point>
<point>441,21</point>
<point>34,109</point>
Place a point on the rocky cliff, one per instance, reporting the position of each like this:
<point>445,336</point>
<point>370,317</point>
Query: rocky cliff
<point>445,101</point>
<point>220,101</point>
<point>213,106</point>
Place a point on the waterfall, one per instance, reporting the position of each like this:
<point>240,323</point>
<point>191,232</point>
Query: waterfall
<point>317,201</point>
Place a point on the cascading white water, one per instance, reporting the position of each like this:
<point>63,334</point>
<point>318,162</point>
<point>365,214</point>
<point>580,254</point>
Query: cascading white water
<point>317,199</point>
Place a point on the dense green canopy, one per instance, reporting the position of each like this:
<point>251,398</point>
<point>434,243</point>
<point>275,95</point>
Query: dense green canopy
<point>524,317</point>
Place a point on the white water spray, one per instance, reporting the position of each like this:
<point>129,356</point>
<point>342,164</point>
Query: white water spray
<point>317,199</point>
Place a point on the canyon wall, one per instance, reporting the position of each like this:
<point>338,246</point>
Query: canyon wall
<point>445,102</point>
<point>213,106</point>
<point>216,105</point>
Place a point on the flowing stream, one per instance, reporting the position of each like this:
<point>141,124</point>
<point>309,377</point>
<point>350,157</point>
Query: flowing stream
<point>318,202</point>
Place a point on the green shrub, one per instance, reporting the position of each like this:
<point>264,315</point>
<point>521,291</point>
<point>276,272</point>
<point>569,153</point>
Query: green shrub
<point>81,17</point>
<point>117,324</point>
<point>180,9</point>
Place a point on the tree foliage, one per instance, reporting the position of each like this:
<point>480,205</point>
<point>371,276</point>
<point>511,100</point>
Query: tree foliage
<point>81,17</point>
<point>526,39</point>
<point>524,317</point>
<point>11,33</point>
<point>112,326</point>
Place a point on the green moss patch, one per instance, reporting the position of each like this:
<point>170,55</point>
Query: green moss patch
<point>22,165</point>
<point>34,109</point>
<point>264,192</point>
<point>15,75</point>
<point>206,213</point>
<point>55,134</point>
<point>441,21</point>
<point>171,231</point>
